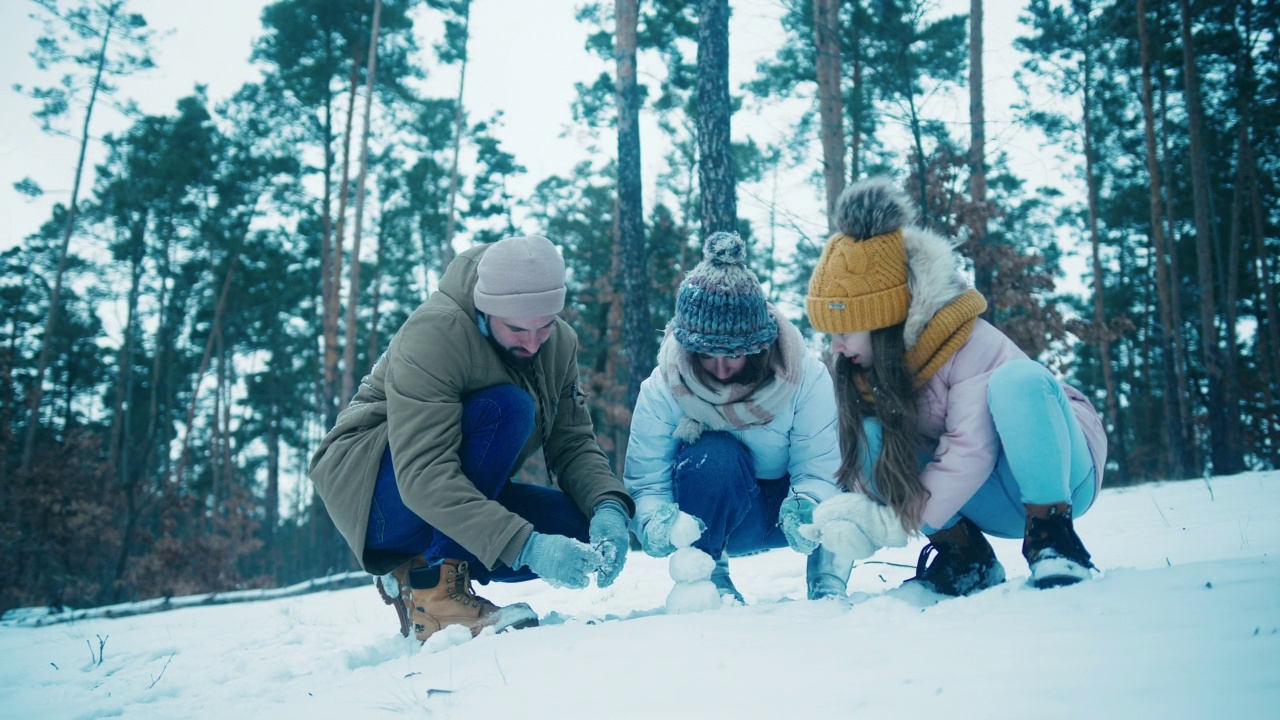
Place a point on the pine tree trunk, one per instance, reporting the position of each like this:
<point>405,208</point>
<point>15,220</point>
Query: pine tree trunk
<point>1190,444</point>
<point>1223,462</point>
<point>1174,385</point>
<point>353,292</point>
<point>1118,451</point>
<point>1231,356</point>
<point>271,503</point>
<point>637,337</point>
<point>328,274</point>
<point>55,297</point>
<point>215,331</point>
<point>1267,336</point>
<point>376,301</point>
<point>826,30</point>
<point>983,271</point>
<point>332,311</point>
<point>459,127</point>
<point>855,107</point>
<point>117,452</point>
<point>922,165</point>
<point>1267,316</point>
<point>715,154</point>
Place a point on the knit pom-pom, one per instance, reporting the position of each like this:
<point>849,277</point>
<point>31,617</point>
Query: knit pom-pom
<point>725,248</point>
<point>872,207</point>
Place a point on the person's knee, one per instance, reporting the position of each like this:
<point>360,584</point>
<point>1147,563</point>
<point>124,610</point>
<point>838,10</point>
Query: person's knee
<point>506,404</point>
<point>1017,380</point>
<point>716,459</point>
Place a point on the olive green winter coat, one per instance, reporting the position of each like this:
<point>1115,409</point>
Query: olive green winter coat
<point>412,399</point>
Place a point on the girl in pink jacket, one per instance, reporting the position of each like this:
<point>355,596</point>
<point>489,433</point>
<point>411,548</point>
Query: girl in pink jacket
<point>946,427</point>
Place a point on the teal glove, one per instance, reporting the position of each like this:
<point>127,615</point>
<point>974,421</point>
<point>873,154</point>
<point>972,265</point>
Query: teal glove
<point>561,561</point>
<point>657,531</point>
<point>609,537</point>
<point>797,510</point>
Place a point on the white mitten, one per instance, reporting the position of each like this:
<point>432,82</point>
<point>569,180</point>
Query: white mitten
<point>852,525</point>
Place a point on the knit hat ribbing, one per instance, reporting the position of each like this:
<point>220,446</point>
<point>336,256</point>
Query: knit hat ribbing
<point>859,284</point>
<point>860,281</point>
<point>520,277</point>
<point>720,308</point>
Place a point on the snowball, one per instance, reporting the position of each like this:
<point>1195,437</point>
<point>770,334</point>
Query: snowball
<point>690,565</point>
<point>685,531</point>
<point>693,597</point>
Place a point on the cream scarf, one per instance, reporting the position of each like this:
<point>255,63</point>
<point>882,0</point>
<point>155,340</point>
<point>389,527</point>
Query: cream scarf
<point>733,406</point>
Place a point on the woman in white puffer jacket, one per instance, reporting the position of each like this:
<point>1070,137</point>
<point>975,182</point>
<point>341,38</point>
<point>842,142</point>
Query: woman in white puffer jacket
<point>736,426</point>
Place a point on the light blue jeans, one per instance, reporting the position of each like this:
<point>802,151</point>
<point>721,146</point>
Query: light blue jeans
<point>1043,459</point>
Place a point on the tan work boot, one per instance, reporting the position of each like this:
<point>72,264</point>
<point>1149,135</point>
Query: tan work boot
<point>442,596</point>
<point>394,588</point>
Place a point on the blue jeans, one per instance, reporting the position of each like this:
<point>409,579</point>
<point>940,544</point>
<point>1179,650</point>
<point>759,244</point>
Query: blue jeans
<point>496,423</point>
<point>715,481</point>
<point>1043,459</point>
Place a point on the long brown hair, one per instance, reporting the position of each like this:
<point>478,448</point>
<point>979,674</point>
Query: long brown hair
<point>896,473</point>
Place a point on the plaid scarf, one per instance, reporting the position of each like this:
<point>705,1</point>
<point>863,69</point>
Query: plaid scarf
<point>731,406</point>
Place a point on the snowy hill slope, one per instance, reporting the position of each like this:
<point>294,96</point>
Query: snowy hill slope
<point>1184,622</point>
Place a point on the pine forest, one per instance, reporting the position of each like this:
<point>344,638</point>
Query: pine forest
<point>257,252</point>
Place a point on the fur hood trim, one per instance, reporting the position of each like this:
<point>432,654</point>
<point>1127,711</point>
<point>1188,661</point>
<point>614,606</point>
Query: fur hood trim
<point>934,278</point>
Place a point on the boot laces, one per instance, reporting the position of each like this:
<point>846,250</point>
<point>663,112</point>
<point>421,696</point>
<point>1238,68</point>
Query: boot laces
<point>460,586</point>
<point>922,563</point>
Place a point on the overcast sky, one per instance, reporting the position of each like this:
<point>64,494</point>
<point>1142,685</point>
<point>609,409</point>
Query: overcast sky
<point>525,58</point>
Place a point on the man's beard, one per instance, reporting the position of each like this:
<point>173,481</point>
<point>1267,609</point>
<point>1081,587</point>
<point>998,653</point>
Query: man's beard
<point>519,360</point>
<point>517,357</point>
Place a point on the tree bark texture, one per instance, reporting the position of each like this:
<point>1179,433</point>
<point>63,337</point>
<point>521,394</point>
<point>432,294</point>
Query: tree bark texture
<point>1173,375</point>
<point>637,335</point>
<point>715,162</point>
<point>1223,463</point>
<point>353,292</point>
<point>983,270</point>
<point>826,31</point>
<point>1118,450</point>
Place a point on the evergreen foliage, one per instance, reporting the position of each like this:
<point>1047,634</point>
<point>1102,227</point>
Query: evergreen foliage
<point>170,444</point>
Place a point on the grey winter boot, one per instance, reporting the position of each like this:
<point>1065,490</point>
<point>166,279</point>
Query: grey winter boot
<point>963,561</point>
<point>720,578</point>
<point>826,575</point>
<point>1052,548</point>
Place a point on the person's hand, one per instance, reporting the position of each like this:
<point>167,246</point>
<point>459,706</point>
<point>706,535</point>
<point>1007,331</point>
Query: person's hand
<point>796,511</point>
<point>561,561</point>
<point>609,538</point>
<point>657,531</point>
<point>854,526</point>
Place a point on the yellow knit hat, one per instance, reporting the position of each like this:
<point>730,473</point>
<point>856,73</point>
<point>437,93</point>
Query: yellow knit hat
<point>859,284</point>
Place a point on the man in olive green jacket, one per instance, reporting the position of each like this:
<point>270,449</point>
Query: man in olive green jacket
<point>416,473</point>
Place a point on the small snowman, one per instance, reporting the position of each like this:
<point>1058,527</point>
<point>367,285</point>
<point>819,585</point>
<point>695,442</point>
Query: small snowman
<point>691,569</point>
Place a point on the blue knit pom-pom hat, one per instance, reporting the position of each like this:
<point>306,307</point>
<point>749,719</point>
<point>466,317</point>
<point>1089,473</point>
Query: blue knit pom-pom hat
<point>720,309</point>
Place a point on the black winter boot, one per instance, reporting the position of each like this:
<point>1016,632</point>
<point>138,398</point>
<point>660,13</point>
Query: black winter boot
<point>1052,548</point>
<point>964,562</point>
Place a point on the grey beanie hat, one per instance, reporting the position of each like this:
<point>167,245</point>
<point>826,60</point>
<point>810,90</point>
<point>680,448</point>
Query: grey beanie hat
<point>720,309</point>
<point>520,277</point>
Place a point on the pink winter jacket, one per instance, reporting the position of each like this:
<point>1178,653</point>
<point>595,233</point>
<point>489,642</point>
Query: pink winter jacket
<point>953,410</point>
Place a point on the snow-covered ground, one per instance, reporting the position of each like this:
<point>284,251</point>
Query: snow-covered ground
<point>1183,622</point>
